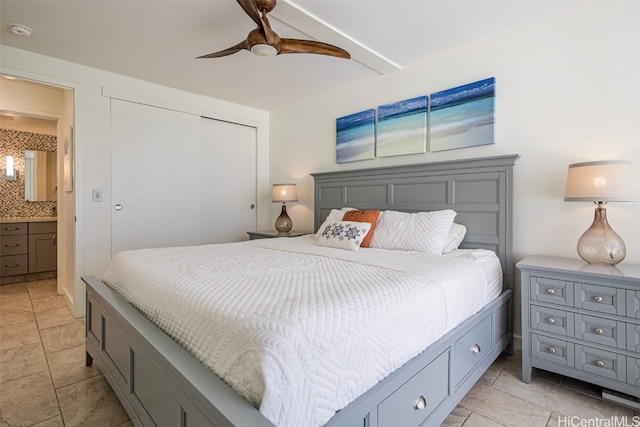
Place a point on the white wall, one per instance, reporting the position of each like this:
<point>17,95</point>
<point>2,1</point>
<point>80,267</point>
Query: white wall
<point>567,90</point>
<point>93,144</point>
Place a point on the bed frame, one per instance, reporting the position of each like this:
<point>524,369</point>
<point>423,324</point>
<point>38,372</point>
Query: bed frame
<point>160,383</point>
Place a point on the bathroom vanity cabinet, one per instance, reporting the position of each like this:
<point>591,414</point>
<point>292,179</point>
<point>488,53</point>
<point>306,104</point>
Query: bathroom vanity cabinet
<point>28,251</point>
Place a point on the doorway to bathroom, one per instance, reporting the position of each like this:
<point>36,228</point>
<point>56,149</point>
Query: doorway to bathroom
<point>36,120</point>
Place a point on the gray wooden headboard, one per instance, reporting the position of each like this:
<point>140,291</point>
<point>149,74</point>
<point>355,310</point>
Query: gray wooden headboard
<point>479,190</point>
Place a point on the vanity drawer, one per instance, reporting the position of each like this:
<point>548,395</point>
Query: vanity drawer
<point>552,291</point>
<point>552,350</point>
<point>13,228</point>
<point>43,227</point>
<point>471,349</point>
<point>603,363</point>
<point>14,245</point>
<point>551,320</point>
<point>412,403</point>
<point>13,264</point>
<point>603,299</point>
<point>601,331</point>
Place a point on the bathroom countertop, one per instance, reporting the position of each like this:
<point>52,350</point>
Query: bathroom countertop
<point>28,219</point>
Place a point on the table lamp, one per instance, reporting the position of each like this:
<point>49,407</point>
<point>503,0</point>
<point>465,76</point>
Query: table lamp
<point>284,193</point>
<point>601,182</point>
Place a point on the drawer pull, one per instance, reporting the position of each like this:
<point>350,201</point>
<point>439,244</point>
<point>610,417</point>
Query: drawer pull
<point>12,245</point>
<point>599,331</point>
<point>11,265</point>
<point>420,403</point>
<point>551,291</point>
<point>11,228</point>
<point>599,363</point>
<point>552,350</point>
<point>476,349</point>
<point>551,320</point>
<point>597,299</point>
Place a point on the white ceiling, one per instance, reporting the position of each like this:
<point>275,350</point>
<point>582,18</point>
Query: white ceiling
<point>158,41</point>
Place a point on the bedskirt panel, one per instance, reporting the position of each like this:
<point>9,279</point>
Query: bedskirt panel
<point>160,383</point>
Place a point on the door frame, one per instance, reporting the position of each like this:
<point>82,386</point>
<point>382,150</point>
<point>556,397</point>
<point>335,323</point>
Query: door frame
<point>69,284</point>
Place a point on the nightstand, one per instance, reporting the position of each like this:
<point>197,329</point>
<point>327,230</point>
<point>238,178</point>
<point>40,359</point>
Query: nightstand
<point>270,234</point>
<point>581,320</point>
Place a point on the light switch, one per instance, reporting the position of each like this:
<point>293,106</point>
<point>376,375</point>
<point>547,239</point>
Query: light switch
<point>97,195</point>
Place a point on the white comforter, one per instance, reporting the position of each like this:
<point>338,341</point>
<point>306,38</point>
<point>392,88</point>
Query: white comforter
<point>297,329</point>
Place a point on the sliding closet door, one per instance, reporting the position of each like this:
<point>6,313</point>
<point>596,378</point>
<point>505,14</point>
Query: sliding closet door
<point>229,163</point>
<point>167,179</point>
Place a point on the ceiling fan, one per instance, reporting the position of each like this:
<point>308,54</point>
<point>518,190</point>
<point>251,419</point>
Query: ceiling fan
<point>264,42</point>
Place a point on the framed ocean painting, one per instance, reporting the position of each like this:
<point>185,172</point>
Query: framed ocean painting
<point>402,127</point>
<point>462,116</point>
<point>356,136</point>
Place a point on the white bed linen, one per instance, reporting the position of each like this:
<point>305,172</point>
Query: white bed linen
<point>298,329</point>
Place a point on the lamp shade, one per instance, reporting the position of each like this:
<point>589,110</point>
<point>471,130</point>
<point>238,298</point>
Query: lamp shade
<point>284,193</point>
<point>603,181</point>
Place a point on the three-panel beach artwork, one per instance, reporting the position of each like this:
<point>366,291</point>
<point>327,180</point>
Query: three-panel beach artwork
<point>454,118</point>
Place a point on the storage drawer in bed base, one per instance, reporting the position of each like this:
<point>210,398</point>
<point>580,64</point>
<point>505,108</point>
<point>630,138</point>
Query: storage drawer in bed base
<point>160,383</point>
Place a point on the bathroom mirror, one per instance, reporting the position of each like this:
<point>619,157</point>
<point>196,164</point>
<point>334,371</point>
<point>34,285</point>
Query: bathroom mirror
<point>40,176</point>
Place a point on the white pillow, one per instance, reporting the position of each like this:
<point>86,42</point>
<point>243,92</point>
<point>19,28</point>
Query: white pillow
<point>421,231</point>
<point>334,216</point>
<point>454,237</point>
<point>344,234</point>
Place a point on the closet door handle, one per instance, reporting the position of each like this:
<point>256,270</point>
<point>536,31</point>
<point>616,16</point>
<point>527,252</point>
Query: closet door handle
<point>118,207</point>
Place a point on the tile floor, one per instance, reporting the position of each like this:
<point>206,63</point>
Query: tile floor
<point>43,380</point>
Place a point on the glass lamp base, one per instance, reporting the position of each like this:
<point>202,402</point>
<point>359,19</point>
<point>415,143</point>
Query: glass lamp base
<point>600,244</point>
<point>284,223</point>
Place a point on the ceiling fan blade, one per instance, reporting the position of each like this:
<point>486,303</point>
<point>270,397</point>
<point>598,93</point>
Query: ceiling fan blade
<point>229,51</point>
<point>270,35</point>
<point>309,46</point>
<point>251,9</point>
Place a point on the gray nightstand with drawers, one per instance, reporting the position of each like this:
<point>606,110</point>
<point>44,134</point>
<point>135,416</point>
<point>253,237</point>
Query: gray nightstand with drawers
<point>582,321</point>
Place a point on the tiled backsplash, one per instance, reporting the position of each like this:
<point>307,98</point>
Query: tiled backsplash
<point>12,203</point>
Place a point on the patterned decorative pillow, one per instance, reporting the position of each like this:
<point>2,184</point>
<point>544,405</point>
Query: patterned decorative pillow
<point>334,215</point>
<point>344,234</point>
<point>422,231</point>
<point>454,237</point>
<point>370,216</point>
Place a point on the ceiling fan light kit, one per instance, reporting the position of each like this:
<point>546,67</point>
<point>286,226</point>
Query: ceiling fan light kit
<point>265,43</point>
<point>264,50</point>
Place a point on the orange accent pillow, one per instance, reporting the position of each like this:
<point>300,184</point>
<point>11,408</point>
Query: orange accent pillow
<point>370,216</point>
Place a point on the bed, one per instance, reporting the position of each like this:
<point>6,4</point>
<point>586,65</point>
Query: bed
<point>160,382</point>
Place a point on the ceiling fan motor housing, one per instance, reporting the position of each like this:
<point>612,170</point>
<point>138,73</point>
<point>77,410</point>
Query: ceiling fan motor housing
<point>265,4</point>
